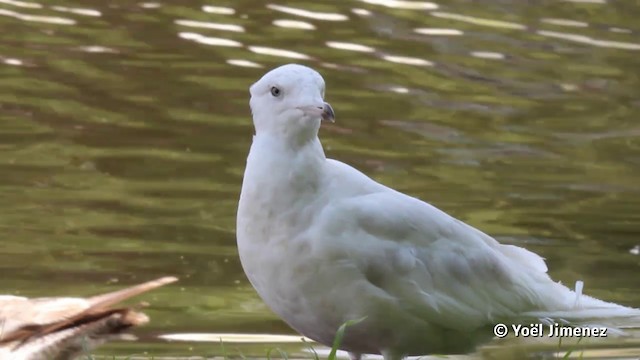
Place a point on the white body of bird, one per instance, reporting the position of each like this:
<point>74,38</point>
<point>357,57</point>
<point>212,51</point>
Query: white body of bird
<point>322,244</point>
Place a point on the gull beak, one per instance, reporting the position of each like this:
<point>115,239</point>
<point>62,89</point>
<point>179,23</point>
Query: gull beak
<point>327,113</point>
<point>324,111</point>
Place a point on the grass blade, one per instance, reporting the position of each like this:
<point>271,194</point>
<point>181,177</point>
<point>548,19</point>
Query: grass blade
<point>337,341</point>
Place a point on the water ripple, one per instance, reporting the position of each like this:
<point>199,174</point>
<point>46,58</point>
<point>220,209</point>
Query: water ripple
<point>78,11</point>
<point>218,10</point>
<point>620,30</point>
<point>564,22</point>
<point>150,5</point>
<point>12,61</point>
<point>294,24</point>
<point>243,63</point>
<point>308,14</point>
<point>236,338</point>
<point>479,21</point>
<point>588,1</point>
<point>361,12</point>
<point>401,4</point>
<point>263,50</point>
<point>98,49</point>
<point>22,4</point>
<point>590,41</point>
<point>208,40</point>
<point>37,18</point>
<point>124,137</point>
<point>438,32</point>
<point>350,46</point>
<point>407,60</point>
<point>210,25</point>
<point>488,55</point>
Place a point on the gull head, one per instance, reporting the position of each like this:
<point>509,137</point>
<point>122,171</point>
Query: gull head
<point>289,101</point>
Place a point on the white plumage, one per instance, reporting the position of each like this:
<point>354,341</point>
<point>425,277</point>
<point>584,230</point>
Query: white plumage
<point>322,243</point>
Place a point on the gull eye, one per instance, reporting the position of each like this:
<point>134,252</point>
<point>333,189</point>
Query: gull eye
<point>275,91</point>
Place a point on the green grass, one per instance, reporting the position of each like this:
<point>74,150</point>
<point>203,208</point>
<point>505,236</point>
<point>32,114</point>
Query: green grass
<point>337,341</point>
<point>570,351</point>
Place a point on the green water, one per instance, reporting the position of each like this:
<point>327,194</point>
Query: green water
<point>124,130</point>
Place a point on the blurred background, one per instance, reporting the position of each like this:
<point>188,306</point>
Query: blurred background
<point>124,129</point>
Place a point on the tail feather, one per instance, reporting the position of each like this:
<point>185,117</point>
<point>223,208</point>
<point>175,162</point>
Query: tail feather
<point>579,286</point>
<point>589,311</point>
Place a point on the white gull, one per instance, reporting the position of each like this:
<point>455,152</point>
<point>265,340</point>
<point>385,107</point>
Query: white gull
<point>322,244</point>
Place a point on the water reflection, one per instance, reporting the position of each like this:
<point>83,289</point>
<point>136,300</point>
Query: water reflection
<point>264,50</point>
<point>399,89</point>
<point>210,25</point>
<point>77,11</point>
<point>590,41</point>
<point>98,49</point>
<point>209,40</point>
<point>323,16</point>
<point>12,61</point>
<point>150,5</point>
<point>124,136</point>
<point>243,63</point>
<point>479,21</point>
<point>407,60</point>
<point>588,1</point>
<point>401,4</point>
<point>488,55</point>
<point>294,24</point>
<point>438,32</point>
<point>361,12</point>
<point>229,338</point>
<point>37,18</point>
<point>564,22</point>
<point>218,10</point>
<point>350,46</point>
<point>619,30</point>
<point>22,4</point>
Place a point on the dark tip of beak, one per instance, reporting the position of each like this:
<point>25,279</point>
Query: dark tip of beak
<point>328,114</point>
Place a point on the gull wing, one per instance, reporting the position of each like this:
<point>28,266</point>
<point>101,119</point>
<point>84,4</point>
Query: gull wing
<point>438,268</point>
